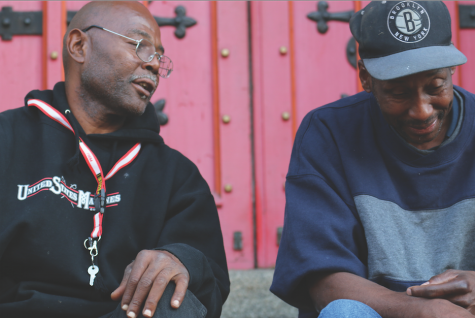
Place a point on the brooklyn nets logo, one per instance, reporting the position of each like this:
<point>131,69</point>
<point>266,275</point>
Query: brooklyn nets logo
<point>408,22</point>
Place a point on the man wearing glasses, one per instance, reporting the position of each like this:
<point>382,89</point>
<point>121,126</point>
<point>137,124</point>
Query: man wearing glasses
<point>99,217</point>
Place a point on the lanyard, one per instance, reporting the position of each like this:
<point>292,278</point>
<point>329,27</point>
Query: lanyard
<point>96,169</point>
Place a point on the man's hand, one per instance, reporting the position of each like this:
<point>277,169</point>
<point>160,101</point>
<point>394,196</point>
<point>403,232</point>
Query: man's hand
<point>147,277</point>
<point>388,304</point>
<point>456,286</point>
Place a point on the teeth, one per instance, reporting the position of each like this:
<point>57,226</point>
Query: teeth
<point>143,85</point>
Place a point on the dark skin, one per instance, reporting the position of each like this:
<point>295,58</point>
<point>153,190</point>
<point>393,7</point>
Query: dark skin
<point>99,67</point>
<point>419,108</point>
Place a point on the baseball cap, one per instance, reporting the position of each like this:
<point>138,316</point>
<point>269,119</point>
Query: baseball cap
<point>400,38</point>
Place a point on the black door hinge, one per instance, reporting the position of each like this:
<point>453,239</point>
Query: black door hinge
<point>31,22</point>
<point>20,22</point>
<point>322,16</point>
<point>466,16</point>
<point>237,244</point>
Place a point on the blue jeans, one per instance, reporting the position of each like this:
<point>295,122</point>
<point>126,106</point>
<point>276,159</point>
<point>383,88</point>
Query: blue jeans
<point>345,308</point>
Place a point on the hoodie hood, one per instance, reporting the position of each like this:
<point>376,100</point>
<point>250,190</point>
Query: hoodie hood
<point>144,128</point>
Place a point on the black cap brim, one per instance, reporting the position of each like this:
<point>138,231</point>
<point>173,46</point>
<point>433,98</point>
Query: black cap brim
<point>414,61</point>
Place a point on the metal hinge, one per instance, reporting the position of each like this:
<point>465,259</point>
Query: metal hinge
<point>24,22</point>
<point>31,22</point>
<point>237,242</point>
<point>466,16</point>
<point>162,117</point>
<point>322,16</point>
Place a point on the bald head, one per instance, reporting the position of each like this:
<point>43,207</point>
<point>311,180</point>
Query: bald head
<point>113,15</point>
<point>104,76</point>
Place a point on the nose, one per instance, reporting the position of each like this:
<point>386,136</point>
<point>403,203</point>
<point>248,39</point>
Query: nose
<point>421,108</point>
<point>153,65</point>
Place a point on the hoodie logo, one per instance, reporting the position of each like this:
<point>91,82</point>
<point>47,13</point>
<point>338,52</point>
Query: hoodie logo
<point>56,185</point>
<point>408,22</point>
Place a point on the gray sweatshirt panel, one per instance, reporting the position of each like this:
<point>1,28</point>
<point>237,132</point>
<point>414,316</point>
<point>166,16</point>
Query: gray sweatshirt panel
<point>409,245</point>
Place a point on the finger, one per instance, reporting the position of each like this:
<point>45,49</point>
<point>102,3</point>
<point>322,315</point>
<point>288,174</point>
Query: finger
<point>140,266</point>
<point>117,294</point>
<point>180,291</point>
<point>455,286</point>
<point>156,292</point>
<point>444,277</point>
<point>142,291</point>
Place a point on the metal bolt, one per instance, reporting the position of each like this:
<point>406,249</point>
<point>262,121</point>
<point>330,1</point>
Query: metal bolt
<point>27,21</point>
<point>226,119</point>
<point>228,188</point>
<point>285,116</point>
<point>54,55</point>
<point>224,52</point>
<point>283,50</point>
<point>6,22</point>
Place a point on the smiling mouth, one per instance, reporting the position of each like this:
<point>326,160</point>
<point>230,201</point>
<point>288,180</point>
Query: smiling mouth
<point>424,130</point>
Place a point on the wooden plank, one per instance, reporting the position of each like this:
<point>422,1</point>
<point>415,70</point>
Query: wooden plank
<point>235,144</point>
<point>453,10</point>
<point>323,71</point>
<point>21,66</point>
<point>273,134</point>
<point>53,29</point>
<point>467,46</point>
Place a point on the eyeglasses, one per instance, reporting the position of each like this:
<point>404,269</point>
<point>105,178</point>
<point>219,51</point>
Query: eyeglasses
<point>145,51</point>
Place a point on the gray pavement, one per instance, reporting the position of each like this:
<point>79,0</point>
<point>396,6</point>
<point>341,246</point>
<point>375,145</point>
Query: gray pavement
<point>250,297</point>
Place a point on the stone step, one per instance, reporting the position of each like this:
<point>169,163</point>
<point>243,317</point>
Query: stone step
<point>250,297</point>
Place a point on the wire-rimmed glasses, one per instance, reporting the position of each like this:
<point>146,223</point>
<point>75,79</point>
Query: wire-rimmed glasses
<point>145,51</point>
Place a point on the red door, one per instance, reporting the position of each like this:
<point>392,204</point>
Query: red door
<point>206,97</point>
<point>245,76</point>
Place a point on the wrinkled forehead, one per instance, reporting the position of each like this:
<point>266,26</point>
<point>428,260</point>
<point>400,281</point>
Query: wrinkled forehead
<point>135,20</point>
<point>128,18</point>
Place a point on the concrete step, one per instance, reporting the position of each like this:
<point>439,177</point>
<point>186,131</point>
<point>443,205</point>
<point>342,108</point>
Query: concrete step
<point>250,297</point>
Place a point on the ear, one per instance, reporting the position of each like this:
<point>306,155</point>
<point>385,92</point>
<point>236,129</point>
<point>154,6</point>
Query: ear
<point>452,70</point>
<point>365,77</point>
<point>77,44</point>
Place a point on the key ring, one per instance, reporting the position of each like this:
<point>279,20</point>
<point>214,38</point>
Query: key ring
<point>93,250</point>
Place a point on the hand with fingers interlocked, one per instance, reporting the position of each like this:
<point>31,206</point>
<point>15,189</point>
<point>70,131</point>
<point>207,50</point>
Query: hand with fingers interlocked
<point>145,280</point>
<point>456,286</point>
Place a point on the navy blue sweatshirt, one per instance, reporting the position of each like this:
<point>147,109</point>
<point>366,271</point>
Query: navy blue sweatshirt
<point>361,200</point>
<point>159,201</point>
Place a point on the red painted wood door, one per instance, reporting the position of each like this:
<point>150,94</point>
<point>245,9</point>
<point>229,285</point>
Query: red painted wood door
<point>296,69</point>
<point>207,97</point>
<point>245,76</point>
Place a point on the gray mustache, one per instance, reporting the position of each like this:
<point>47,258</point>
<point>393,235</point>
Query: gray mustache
<point>150,77</point>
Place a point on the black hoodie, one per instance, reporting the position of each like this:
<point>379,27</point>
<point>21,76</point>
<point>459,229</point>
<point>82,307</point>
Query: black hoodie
<point>158,201</point>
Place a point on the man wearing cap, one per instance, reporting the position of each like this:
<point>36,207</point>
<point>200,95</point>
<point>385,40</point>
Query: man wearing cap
<point>380,210</point>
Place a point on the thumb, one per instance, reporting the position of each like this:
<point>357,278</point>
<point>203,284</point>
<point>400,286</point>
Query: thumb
<point>119,292</point>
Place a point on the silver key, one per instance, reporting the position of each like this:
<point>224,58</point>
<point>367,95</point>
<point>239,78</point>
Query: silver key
<point>92,270</point>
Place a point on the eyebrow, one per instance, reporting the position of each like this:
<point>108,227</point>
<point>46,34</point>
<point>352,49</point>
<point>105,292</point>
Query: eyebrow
<point>147,36</point>
<point>140,32</point>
